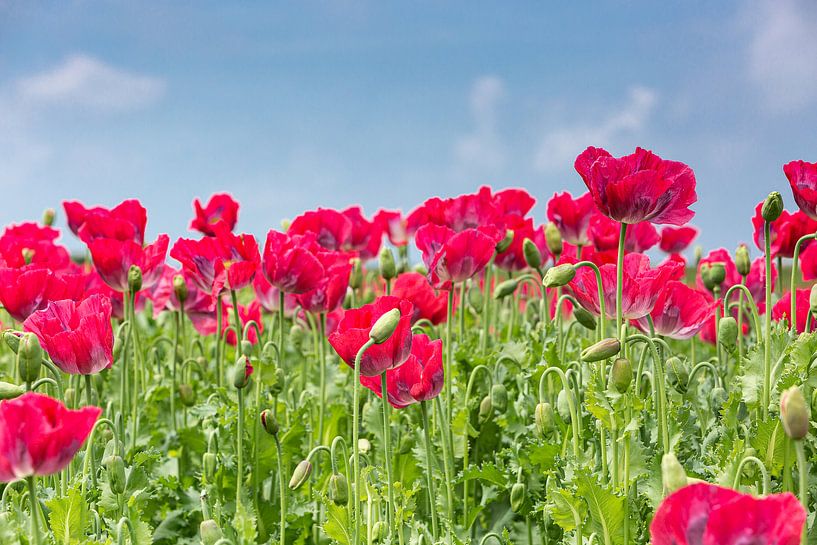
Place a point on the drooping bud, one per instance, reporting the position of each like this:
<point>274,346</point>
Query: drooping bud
<point>301,474</point>
<point>554,239</point>
<point>677,374</point>
<point>187,394</point>
<point>519,493</point>
<point>29,357</point>
<point>621,374</point>
<point>499,397</point>
<point>240,372</point>
<point>486,409</point>
<point>69,397</point>
<point>180,288</point>
<point>338,489</point>
<point>268,422</point>
<point>742,262</point>
<point>672,473</point>
<point>563,404</point>
<point>388,268</point>
<point>406,443</point>
<point>533,257</point>
<point>384,327</point>
<point>10,391</point>
<point>505,288</point>
<point>794,413</point>
<point>12,339</point>
<point>605,348</point>
<point>380,531</point>
<point>49,215</point>
<point>210,532</point>
<point>728,333</point>
<point>280,380</point>
<point>543,417</point>
<point>475,298</point>
<point>134,278</point>
<point>115,469</point>
<point>364,446</point>
<point>356,276</point>
<point>585,318</point>
<point>246,347</point>
<point>208,462</point>
<point>772,207</point>
<point>505,243</point>
<point>560,275</point>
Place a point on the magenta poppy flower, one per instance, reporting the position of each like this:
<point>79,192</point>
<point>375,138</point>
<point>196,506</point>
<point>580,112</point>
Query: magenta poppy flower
<point>270,297</point>
<point>782,309</point>
<point>638,187</point>
<point>125,221</point>
<point>572,216</point>
<point>427,303</point>
<point>454,257</point>
<point>113,259</point>
<point>290,262</point>
<point>394,226</point>
<point>77,336</point>
<point>40,436</point>
<point>332,230</point>
<point>431,211</point>
<point>755,280</point>
<point>471,210</point>
<point>28,244</point>
<point>675,240</point>
<point>420,378</point>
<point>329,292</point>
<point>221,208</point>
<point>31,288</point>
<point>785,231</point>
<point>513,258</point>
<point>641,287</point>
<point>32,231</point>
<point>366,236</point>
<point>706,514</point>
<point>802,178</point>
<point>680,312</point>
<point>605,233</point>
<point>513,202</point>
<point>353,332</point>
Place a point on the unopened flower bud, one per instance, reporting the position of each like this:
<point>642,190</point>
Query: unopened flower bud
<point>208,462</point>
<point>280,379</point>
<point>486,409</point>
<point>554,239</point>
<point>49,215</point>
<point>356,276</point>
<point>475,298</point>
<point>10,391</point>
<point>301,474</point>
<point>187,394</point>
<point>672,473</point>
<point>364,446</point>
<point>585,318</point>
<point>240,372</point>
<point>728,333</point>
<point>812,298</point>
<point>384,327</point>
<point>134,278</point>
<point>29,357</point>
<point>621,374</point>
<point>563,404</point>
<point>380,531</point>
<point>12,339</point>
<point>543,417</point>
<point>505,243</point>
<point>533,257</point>
<point>69,396</point>
<point>794,413</point>
<point>338,489</point>
<point>499,397</point>
<point>180,288</point>
<point>115,469</point>
<point>772,207</point>
<point>560,275</point>
<point>519,493</point>
<point>246,347</point>
<point>742,262</point>
<point>388,268</point>
<point>677,374</point>
<point>406,443</point>
<point>505,288</point>
<point>605,348</point>
<point>268,422</point>
<point>717,274</point>
<point>210,532</point>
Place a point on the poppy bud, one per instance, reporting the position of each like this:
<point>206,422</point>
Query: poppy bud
<point>115,468</point>
<point>486,409</point>
<point>338,489</point>
<point>794,413</point>
<point>533,257</point>
<point>187,395</point>
<point>519,493</point>
<point>406,443</point>
<point>364,445</point>
<point>742,262</point>
<point>69,396</point>
<point>302,472</point>
<point>134,278</point>
<point>246,347</point>
<point>12,339</point>
<point>543,417</point>
<point>118,343</point>
<point>475,298</point>
<point>29,357</point>
<point>388,268</point>
<point>554,239</point>
<point>812,298</point>
<point>621,374</point>
<point>385,326</point>
<point>505,243</point>
<point>506,288</point>
<point>268,422</point>
<point>672,473</point>
<point>240,373</point>
<point>28,255</point>
<point>10,391</point>
<point>180,288</point>
<point>814,401</point>
<point>210,532</point>
<point>728,333</point>
<point>208,462</point>
<point>356,276</point>
<point>379,531</point>
<point>48,217</point>
<point>605,348</point>
<point>563,404</point>
<point>772,207</point>
<point>585,318</point>
<point>559,276</point>
<point>499,398</point>
<point>677,374</point>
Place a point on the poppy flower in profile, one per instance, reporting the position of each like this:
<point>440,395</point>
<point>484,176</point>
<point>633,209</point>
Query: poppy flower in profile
<point>675,240</point>
<point>77,336</point>
<point>452,257</point>
<point>125,221</point>
<point>113,259</point>
<point>785,231</point>
<point>706,514</point>
<point>393,225</point>
<point>332,229</point>
<point>782,309</point>
<point>605,233</point>
<point>428,304</point>
<point>638,187</point>
<point>329,292</point>
<point>221,208</point>
<point>420,378</point>
<point>32,287</point>
<point>641,287</point>
<point>680,312</point>
<point>353,332</point>
<point>290,262</point>
<point>572,216</point>
<point>40,435</point>
<point>802,178</point>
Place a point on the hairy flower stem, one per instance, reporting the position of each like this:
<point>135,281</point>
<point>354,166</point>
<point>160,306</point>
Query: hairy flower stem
<point>178,322</point>
<point>137,368</point>
<point>35,508</point>
<point>356,437</point>
<point>239,447</point>
<point>802,468</point>
<point>486,306</point>
<point>281,491</point>
<point>219,334</point>
<point>430,471</point>
<point>390,512</point>
<point>767,342</point>
<point>447,455</point>
<point>322,364</point>
<point>620,282</point>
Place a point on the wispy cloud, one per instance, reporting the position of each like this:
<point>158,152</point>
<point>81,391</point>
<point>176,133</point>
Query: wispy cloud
<point>483,148</point>
<point>561,144</point>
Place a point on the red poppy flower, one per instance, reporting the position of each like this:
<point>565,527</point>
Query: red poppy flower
<point>675,240</point>
<point>126,221</point>
<point>420,378</point>
<point>113,259</point>
<point>782,309</point>
<point>29,243</point>
<point>353,332</point>
<point>680,312</point>
<point>513,258</point>
<point>30,288</point>
<point>755,280</point>
<point>431,211</point>
<point>513,202</point>
<point>77,336</point>
<point>638,187</point>
<point>270,297</point>
<point>604,233</point>
<point>453,257</point>
<point>332,229</point>
<point>40,436</point>
<point>471,210</point>
<point>221,208</point>
<point>246,313</point>
<point>706,514</point>
<point>641,287</point>
<point>394,225</point>
<point>329,292</point>
<point>32,231</point>
<point>802,178</point>
<point>290,262</point>
<point>571,216</point>
<point>366,236</point>
<point>428,304</point>
<point>225,261</point>
<point>785,231</point>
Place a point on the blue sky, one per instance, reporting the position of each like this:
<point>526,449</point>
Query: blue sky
<point>294,105</point>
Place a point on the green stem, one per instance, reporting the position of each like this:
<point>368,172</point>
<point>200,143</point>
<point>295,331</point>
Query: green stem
<point>793,284</point>
<point>35,508</point>
<point>767,342</point>
<point>281,491</point>
<point>240,447</point>
<point>356,437</point>
<point>89,396</point>
<point>430,472</point>
<point>387,443</point>
<point>449,477</point>
<point>620,282</point>
<point>322,363</point>
<point>219,334</point>
<point>486,306</point>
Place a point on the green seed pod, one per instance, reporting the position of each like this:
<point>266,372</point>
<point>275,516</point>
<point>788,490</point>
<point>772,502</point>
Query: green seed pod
<point>388,268</point>
<point>29,357</point>
<point>486,409</point>
<point>380,531</point>
<point>187,395</point>
<point>28,255</point>
<point>338,489</point>
<point>134,278</point>
<point>602,350</point>
<point>208,462</point>
<point>356,276</point>
<point>10,391</point>
<point>301,474</point>
<point>505,288</point>
<point>49,215</point>
<point>560,275</point>
<point>384,327</point>
<point>772,207</point>
<point>499,398</point>
<point>794,413</point>
<point>180,288</point>
<point>554,239</point>
<point>728,333</point>
<point>585,318</point>
<point>621,374</point>
<point>672,473</point>
<point>115,468</point>
<point>268,422</point>
<point>505,243</point>
<point>210,532</point>
<point>563,405</point>
<point>533,257</point>
<point>677,374</point>
<point>742,261</point>
<point>543,417</point>
<point>519,493</point>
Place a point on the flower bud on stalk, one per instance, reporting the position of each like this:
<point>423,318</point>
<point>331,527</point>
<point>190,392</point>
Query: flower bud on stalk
<point>69,396</point>
<point>268,422</point>
<point>585,318</point>
<point>621,374</point>
<point>794,413</point>
<point>772,207</point>
<point>12,339</point>
<point>506,288</point>
<point>49,215</point>
<point>812,298</point>
<point>533,257</point>
<point>380,531</point>
<point>560,275</point>
<point>672,473</point>
<point>301,474</point>
<point>134,278</point>
<point>486,409</point>
<point>476,299</point>
<point>208,462</point>
<point>499,398</point>
<point>29,357</point>
<point>180,288</point>
<point>543,418</point>
<point>388,268</point>
<point>742,262</point>
<point>519,493</point>
<point>10,391</point>
<point>246,347</point>
<point>677,374</point>
<point>338,489</point>
<point>563,404</point>
<point>115,468</point>
<point>356,276</point>
<point>210,532</point>
<point>505,243</point>
<point>728,333</point>
<point>553,237</point>
<point>364,445</point>
<point>385,326</point>
<point>605,348</point>
<point>187,395</point>
<point>240,373</point>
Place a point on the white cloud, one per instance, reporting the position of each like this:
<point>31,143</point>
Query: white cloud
<point>782,52</point>
<point>482,148</point>
<point>81,80</point>
<point>561,144</point>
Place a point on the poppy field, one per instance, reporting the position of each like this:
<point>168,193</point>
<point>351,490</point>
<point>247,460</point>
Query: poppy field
<point>469,371</point>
